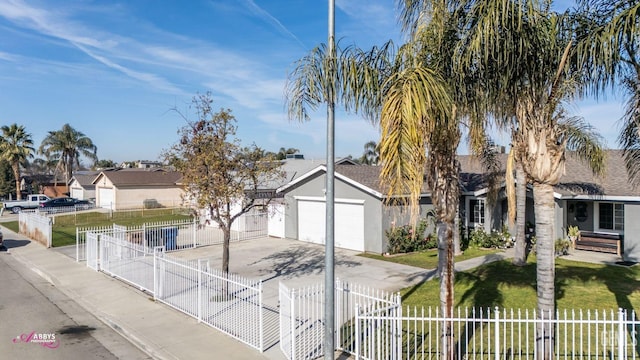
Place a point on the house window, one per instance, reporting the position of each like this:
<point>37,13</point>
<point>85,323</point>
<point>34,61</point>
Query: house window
<point>611,216</point>
<point>477,211</point>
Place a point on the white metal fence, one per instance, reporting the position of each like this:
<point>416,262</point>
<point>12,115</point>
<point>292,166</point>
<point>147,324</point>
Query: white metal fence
<point>127,261</point>
<point>302,316</point>
<point>36,227</point>
<point>81,238</point>
<point>92,250</point>
<point>176,235</point>
<point>498,334</point>
<point>227,302</point>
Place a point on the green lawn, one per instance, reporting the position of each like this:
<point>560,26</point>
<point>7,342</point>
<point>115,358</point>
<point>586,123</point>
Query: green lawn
<point>429,259</point>
<point>578,286</point>
<point>64,227</point>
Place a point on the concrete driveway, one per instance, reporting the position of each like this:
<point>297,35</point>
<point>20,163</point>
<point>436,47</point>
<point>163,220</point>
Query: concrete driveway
<point>298,264</point>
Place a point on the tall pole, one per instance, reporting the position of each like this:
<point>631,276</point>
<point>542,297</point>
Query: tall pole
<point>329,263</point>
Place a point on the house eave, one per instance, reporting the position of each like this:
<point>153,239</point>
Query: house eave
<point>597,197</point>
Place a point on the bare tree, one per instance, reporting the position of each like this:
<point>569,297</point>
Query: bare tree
<point>219,175</point>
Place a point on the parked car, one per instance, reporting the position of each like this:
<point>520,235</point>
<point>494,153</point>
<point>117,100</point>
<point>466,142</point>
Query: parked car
<point>65,202</point>
<point>1,238</point>
<point>29,202</point>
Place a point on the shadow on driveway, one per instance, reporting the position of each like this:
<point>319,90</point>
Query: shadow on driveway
<point>298,261</point>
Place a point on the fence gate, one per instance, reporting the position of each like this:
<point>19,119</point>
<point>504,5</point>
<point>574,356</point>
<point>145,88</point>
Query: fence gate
<point>91,250</point>
<point>302,317</point>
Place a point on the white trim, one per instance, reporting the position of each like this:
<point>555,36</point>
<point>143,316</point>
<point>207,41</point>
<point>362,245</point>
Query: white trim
<point>596,218</point>
<point>616,198</point>
<point>324,199</point>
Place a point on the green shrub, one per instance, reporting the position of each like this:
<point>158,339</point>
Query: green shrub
<point>562,246</point>
<point>405,239</point>
<point>494,239</point>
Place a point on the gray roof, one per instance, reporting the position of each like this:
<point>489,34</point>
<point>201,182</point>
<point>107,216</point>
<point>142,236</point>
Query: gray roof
<point>85,178</point>
<point>577,180</point>
<point>146,177</point>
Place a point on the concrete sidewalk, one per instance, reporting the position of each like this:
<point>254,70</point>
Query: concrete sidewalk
<point>159,330</point>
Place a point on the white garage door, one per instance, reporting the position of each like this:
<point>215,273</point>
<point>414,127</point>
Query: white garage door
<point>349,223</point>
<point>106,198</point>
<point>77,193</point>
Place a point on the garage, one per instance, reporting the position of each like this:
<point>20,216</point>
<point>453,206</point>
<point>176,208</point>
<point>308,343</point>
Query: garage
<point>349,222</point>
<point>77,193</point>
<point>106,198</point>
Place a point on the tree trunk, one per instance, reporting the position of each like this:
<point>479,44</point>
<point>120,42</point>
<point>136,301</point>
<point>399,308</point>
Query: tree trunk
<point>457,246</point>
<point>16,174</point>
<point>225,248</point>
<point>445,196</point>
<point>545,225</point>
<point>520,249</point>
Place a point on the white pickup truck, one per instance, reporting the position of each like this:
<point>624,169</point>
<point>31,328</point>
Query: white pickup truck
<point>30,202</point>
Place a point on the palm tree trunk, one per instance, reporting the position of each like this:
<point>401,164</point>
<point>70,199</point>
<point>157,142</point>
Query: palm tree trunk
<point>16,174</point>
<point>545,224</point>
<point>520,255</point>
<point>445,198</point>
<point>457,246</point>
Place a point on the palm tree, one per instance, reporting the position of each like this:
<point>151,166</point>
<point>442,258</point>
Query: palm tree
<point>528,51</point>
<point>371,155</point>
<point>419,113</point>
<point>611,44</point>
<point>16,147</point>
<point>65,146</point>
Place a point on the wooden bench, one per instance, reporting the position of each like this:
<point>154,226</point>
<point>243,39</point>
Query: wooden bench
<point>603,242</point>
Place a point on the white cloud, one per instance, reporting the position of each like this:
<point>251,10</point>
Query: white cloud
<point>270,19</point>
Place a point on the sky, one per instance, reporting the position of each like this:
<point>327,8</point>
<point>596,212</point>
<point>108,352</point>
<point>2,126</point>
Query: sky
<point>117,70</point>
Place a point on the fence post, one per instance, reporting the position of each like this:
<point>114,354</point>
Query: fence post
<point>261,317</point>
<point>144,238</point>
<point>622,339</point>
<point>77,245</point>
<point>293,324</point>
<point>50,235</point>
<point>357,332</point>
<point>496,313</point>
<point>200,290</point>
<point>194,228</point>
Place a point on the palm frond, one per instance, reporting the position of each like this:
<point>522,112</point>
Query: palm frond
<point>629,138</point>
<point>583,139</point>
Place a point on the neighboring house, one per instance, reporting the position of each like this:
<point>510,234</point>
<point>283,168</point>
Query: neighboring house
<point>120,189</point>
<point>81,185</point>
<point>43,184</point>
<point>146,164</point>
<point>607,205</point>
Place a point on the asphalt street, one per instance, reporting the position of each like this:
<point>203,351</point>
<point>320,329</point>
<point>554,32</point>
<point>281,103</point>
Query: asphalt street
<point>37,321</point>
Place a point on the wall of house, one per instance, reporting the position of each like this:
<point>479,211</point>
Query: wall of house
<point>560,231</point>
<point>316,187</point>
<point>396,215</point>
<point>75,188</point>
<point>631,239</point>
<point>580,214</point>
<point>136,198</point>
<point>54,191</point>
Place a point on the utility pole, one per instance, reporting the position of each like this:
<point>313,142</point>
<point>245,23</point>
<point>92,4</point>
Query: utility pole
<point>329,261</point>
